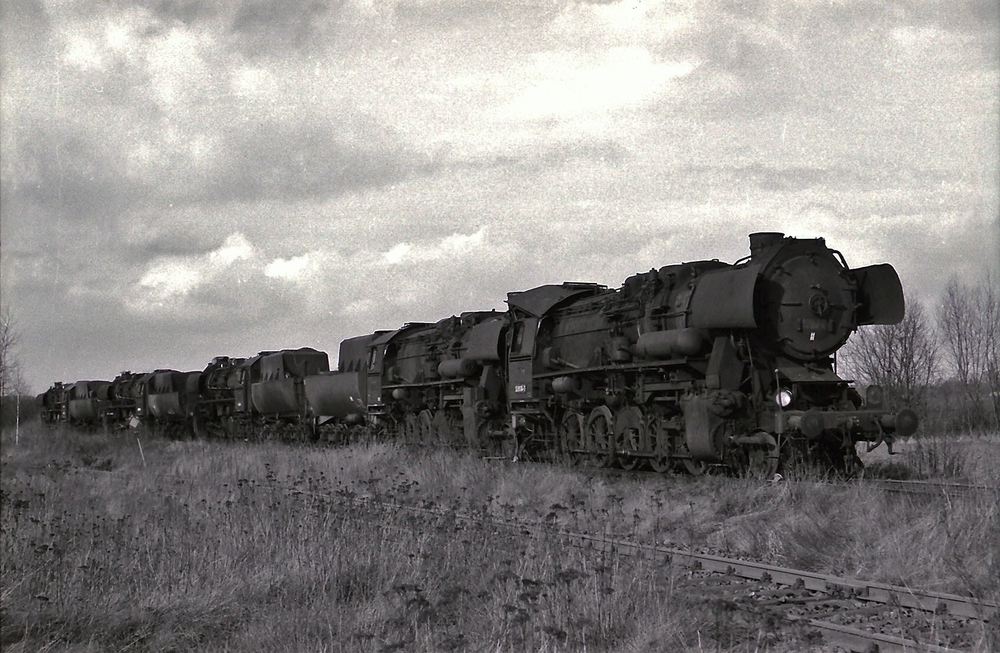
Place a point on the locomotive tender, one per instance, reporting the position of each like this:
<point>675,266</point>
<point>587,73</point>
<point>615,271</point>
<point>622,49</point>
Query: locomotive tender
<point>695,365</point>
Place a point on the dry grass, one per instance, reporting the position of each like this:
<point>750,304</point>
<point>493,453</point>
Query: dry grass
<point>201,546</point>
<point>967,458</point>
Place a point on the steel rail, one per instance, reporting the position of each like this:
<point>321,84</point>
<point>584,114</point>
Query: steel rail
<point>898,595</point>
<point>895,595</point>
<point>861,640</point>
<point>834,633</point>
<point>857,639</point>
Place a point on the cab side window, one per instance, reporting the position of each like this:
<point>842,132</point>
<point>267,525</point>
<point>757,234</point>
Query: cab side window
<point>517,339</point>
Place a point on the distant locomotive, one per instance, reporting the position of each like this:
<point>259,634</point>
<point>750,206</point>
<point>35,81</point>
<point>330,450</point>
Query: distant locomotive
<point>243,397</point>
<point>692,366</point>
<point>52,404</point>
<point>233,397</point>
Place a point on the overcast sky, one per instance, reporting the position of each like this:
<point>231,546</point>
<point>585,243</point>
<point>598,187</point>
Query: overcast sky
<point>189,178</point>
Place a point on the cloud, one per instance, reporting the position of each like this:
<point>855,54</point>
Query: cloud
<point>81,173</point>
<point>145,238</point>
<point>310,158</point>
<point>178,64</point>
<point>455,245</point>
<point>600,25</point>
<point>264,28</point>
<point>65,170</point>
<point>236,248</point>
<point>570,85</point>
<point>165,280</point>
<point>248,174</point>
<point>168,282</point>
<point>137,109</point>
<point>186,11</point>
<point>296,268</point>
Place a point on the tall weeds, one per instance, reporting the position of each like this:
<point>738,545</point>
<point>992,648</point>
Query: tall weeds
<point>211,546</point>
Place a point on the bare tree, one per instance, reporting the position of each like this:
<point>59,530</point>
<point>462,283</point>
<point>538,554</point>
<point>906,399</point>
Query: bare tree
<point>988,306</point>
<point>969,320</point>
<point>11,376</point>
<point>12,384</point>
<point>901,358</point>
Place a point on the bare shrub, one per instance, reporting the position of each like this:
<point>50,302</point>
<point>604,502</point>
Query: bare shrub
<point>969,321</point>
<point>901,358</point>
<point>11,378</point>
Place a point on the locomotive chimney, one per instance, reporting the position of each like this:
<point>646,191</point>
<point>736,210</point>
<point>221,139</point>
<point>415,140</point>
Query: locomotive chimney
<point>764,239</point>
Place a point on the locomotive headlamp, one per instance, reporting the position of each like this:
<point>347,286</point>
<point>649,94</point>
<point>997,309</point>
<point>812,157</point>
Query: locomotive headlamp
<point>874,396</point>
<point>783,397</point>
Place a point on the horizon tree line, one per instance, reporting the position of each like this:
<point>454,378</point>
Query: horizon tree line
<point>945,365</point>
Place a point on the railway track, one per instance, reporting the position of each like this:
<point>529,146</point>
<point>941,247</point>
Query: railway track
<point>858,615</point>
<point>935,487</point>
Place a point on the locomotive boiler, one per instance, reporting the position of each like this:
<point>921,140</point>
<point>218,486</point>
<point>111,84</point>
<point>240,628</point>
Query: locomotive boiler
<point>87,403</point>
<point>171,399</point>
<point>278,395</point>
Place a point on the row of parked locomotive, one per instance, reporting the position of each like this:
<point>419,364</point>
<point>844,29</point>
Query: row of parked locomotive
<point>232,397</point>
<point>691,366</point>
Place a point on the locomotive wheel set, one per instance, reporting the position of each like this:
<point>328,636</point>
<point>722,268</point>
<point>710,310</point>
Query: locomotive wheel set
<point>693,366</point>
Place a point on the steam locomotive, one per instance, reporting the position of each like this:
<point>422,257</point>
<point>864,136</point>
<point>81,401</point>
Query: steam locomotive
<point>692,366</point>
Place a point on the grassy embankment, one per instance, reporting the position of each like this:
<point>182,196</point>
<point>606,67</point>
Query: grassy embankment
<point>190,546</point>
